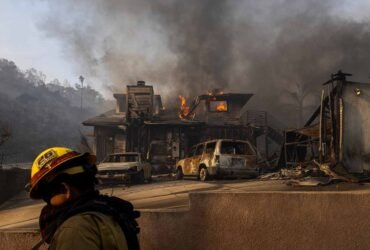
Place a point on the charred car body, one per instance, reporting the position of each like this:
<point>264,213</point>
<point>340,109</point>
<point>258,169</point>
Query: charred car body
<point>160,157</point>
<point>220,158</point>
<point>123,168</point>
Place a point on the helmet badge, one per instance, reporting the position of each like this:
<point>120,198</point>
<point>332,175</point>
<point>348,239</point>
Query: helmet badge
<point>47,158</point>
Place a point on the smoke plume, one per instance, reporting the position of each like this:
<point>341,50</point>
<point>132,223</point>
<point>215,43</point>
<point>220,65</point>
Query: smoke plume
<point>280,50</point>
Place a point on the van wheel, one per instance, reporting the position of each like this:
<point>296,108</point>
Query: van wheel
<point>179,174</point>
<point>203,174</point>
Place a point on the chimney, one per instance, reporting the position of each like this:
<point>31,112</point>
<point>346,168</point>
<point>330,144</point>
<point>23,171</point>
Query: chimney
<point>139,101</point>
<point>140,83</point>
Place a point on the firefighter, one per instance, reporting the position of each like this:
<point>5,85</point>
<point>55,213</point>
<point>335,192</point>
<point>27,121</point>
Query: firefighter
<point>76,216</point>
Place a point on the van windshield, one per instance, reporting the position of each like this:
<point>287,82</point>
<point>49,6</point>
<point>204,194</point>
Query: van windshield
<point>236,148</point>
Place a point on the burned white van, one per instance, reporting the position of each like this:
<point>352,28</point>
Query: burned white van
<point>219,158</point>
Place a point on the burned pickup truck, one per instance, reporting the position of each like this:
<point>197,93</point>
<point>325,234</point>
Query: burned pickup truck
<point>219,158</point>
<point>126,167</point>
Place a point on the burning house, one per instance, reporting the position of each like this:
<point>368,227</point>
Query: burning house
<point>140,123</point>
<point>113,128</point>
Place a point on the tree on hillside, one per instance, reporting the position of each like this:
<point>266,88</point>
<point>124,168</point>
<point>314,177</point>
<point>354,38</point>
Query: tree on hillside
<point>35,76</point>
<point>41,114</point>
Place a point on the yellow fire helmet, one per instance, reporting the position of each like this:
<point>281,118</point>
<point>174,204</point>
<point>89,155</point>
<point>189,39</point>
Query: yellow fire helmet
<point>50,163</point>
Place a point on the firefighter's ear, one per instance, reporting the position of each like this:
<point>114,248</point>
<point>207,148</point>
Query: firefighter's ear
<point>62,197</point>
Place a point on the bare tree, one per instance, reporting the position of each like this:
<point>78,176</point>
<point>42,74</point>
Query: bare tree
<point>299,96</point>
<point>35,76</point>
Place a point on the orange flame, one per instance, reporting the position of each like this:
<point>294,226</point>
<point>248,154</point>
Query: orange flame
<point>221,107</point>
<point>184,108</point>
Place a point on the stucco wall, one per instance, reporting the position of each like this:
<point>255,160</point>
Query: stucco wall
<point>262,221</point>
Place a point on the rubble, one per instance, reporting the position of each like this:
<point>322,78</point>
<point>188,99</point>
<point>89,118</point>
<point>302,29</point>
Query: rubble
<point>310,181</point>
<point>314,174</point>
<point>337,172</point>
<point>298,172</point>
<point>334,143</point>
<point>299,177</point>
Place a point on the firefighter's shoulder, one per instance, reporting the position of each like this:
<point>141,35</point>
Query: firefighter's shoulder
<point>93,230</point>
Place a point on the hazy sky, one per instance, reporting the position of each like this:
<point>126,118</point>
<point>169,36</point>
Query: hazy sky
<point>24,42</point>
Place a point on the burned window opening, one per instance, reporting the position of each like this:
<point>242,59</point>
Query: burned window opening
<point>218,106</point>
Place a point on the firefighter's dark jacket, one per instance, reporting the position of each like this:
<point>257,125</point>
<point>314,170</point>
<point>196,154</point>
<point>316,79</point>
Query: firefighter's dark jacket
<point>91,221</point>
<point>89,230</point>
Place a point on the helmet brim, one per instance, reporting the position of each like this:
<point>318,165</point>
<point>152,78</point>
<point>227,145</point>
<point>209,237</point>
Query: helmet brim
<point>35,193</point>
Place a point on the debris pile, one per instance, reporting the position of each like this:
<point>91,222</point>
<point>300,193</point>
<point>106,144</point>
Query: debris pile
<point>315,174</point>
<point>333,144</point>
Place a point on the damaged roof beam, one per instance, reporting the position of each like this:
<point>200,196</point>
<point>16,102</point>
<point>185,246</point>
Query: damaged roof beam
<point>317,111</point>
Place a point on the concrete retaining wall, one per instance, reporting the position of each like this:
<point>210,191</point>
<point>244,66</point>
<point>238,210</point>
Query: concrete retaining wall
<point>20,241</point>
<point>12,181</point>
<point>262,221</point>
<point>279,220</point>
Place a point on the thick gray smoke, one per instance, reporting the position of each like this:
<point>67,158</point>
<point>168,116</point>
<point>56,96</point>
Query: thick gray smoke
<point>200,34</point>
<point>280,50</point>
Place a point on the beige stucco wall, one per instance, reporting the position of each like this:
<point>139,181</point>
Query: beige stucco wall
<point>262,221</point>
<point>267,220</point>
